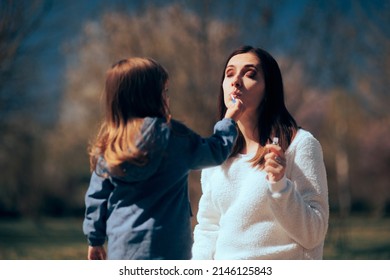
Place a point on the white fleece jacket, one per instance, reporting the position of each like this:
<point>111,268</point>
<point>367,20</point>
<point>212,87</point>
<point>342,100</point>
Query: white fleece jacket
<point>244,216</point>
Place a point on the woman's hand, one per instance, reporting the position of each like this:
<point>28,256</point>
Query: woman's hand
<point>275,163</point>
<point>96,253</point>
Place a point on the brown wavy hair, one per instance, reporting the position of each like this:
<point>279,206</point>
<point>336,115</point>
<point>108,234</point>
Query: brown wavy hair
<point>273,118</point>
<point>134,89</point>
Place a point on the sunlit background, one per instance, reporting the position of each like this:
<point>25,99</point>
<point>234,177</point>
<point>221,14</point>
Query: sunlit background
<point>335,61</point>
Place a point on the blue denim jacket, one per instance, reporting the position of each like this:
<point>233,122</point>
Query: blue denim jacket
<point>145,212</point>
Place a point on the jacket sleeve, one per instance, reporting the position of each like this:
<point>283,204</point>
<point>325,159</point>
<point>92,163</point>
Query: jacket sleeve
<point>206,231</point>
<point>94,225</point>
<point>215,149</point>
<point>299,201</point>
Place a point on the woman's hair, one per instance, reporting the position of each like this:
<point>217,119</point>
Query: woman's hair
<point>273,119</point>
<point>134,90</point>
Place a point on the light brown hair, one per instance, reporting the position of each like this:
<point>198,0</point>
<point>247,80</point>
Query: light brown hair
<point>134,89</point>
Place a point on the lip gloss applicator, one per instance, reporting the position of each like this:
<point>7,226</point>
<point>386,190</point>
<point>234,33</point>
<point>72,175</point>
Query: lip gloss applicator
<point>278,159</point>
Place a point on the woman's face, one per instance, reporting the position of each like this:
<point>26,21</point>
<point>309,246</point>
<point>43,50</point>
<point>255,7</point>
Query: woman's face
<point>244,80</point>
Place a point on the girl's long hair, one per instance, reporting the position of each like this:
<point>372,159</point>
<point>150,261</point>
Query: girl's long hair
<point>273,118</point>
<point>134,89</point>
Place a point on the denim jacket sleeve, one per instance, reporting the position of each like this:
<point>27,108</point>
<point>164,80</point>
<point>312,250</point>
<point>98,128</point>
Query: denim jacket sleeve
<point>96,214</point>
<point>215,149</point>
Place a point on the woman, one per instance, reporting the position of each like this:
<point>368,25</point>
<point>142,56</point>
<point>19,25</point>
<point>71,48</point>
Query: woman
<point>268,200</point>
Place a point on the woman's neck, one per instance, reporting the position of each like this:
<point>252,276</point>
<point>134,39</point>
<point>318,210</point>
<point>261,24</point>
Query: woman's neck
<point>249,129</point>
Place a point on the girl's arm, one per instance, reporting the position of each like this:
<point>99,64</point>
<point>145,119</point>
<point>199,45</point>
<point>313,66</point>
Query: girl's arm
<point>94,225</point>
<point>215,149</point>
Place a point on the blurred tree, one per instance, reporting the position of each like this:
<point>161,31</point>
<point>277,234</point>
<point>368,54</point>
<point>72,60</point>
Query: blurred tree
<point>344,49</point>
<point>192,49</point>
<point>20,142</point>
<point>372,164</point>
<point>18,19</point>
<point>335,65</point>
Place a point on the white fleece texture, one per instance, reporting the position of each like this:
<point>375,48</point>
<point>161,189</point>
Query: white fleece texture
<point>243,216</point>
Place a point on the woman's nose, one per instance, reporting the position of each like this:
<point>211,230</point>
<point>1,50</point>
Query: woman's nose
<point>236,82</point>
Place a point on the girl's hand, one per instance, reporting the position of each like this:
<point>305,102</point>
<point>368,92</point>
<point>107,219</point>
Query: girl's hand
<point>275,163</point>
<point>235,109</point>
<point>96,253</point>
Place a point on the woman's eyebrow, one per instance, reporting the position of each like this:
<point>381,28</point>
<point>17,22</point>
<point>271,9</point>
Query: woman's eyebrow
<point>256,66</point>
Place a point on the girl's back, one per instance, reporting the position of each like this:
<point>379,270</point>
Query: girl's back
<point>148,208</point>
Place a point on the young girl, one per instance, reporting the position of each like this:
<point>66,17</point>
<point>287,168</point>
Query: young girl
<point>138,194</point>
<point>269,200</point>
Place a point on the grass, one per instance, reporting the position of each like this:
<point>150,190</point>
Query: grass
<point>50,239</point>
<point>62,239</point>
<point>358,238</point>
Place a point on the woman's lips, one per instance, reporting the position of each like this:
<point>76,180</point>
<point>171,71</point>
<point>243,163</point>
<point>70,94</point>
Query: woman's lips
<point>235,94</point>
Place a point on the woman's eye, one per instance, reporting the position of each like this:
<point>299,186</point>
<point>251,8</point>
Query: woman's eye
<point>229,74</point>
<point>251,74</point>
